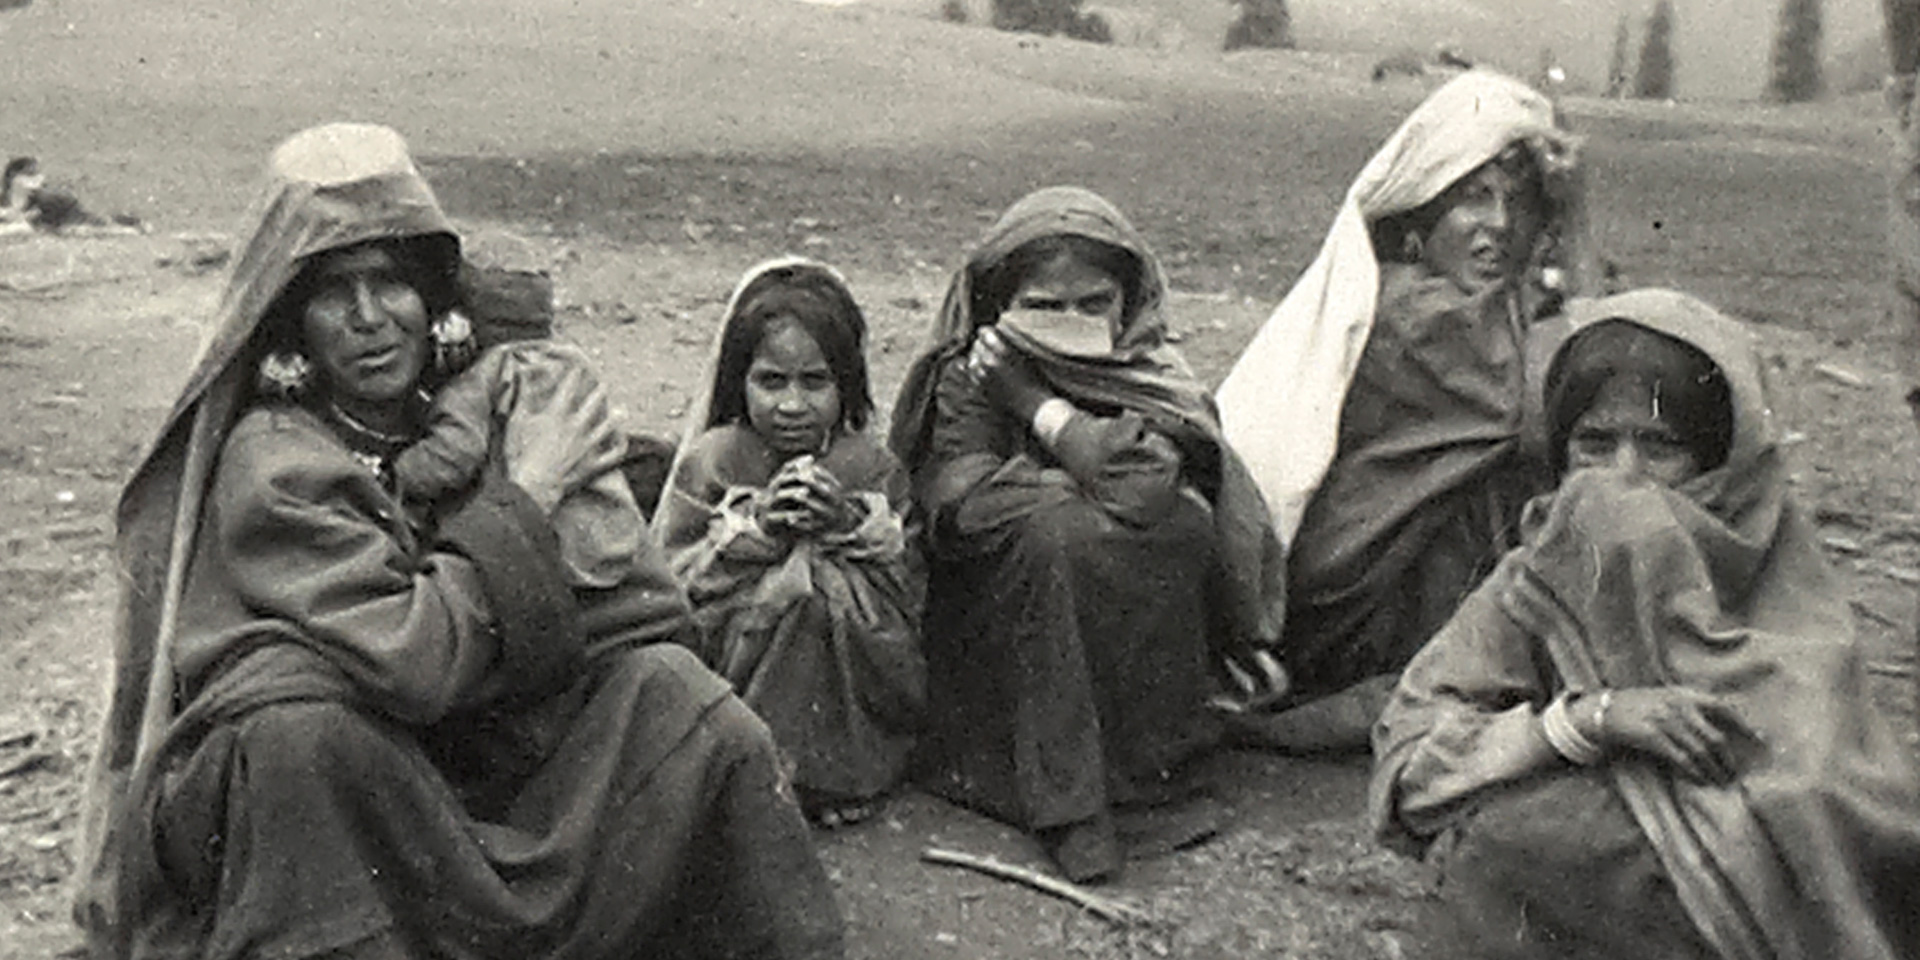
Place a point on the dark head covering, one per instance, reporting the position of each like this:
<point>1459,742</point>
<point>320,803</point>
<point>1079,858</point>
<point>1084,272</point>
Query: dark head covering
<point>18,166</point>
<point>815,296</point>
<point>1143,374</point>
<point>1720,585</point>
<point>327,188</point>
<point>1692,392</point>
<point>1140,347</point>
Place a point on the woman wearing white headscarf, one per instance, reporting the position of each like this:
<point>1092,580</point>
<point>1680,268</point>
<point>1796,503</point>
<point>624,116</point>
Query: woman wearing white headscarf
<point>1379,408</point>
<point>341,730</point>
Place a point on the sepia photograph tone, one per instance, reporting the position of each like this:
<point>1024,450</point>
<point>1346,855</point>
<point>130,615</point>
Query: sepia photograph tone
<point>959,479</point>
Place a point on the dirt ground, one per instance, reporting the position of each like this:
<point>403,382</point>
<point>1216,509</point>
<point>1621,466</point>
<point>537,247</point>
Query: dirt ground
<point>1232,170</point>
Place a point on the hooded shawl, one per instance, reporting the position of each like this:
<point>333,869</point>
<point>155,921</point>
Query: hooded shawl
<point>820,635</point>
<point>313,202</point>
<point>1144,374</point>
<point>1718,584</point>
<point>1280,405</point>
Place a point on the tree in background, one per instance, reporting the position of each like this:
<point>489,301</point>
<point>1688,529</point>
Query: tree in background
<point>1796,74</point>
<point>1617,62</point>
<point>1051,17</point>
<point>1654,81</point>
<point>1264,24</point>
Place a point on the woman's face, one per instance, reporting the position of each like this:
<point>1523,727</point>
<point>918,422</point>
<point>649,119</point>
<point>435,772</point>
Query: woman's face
<point>793,398</point>
<point>1625,431</point>
<point>1073,301</point>
<point>365,327</point>
<point>1488,223</point>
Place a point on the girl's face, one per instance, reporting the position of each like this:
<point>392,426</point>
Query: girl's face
<point>1486,231</point>
<point>793,398</point>
<point>1625,431</point>
<point>365,328</point>
<point>1070,301</point>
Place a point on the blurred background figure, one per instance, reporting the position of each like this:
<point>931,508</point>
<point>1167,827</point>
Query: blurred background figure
<point>28,204</point>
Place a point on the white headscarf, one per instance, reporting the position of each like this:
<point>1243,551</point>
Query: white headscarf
<point>1280,404</point>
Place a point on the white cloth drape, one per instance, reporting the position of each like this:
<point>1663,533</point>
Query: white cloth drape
<point>1280,404</point>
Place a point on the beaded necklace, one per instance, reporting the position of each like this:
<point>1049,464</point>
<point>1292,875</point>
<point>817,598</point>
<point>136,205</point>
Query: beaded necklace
<point>371,447</point>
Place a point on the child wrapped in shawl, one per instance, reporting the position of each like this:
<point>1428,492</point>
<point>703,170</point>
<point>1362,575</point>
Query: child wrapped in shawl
<point>1648,733</point>
<point>784,518</point>
<point>1100,563</point>
<point>538,405</point>
<point>1380,408</point>
<point>533,405</point>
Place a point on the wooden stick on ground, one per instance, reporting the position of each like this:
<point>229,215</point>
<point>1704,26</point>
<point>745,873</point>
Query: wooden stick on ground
<point>1114,911</point>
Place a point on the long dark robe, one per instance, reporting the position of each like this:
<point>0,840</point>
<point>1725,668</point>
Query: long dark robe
<point>1718,585</point>
<point>382,742</point>
<point>1425,492</point>
<point>1080,605</point>
<point>820,636</point>
<point>1068,638</point>
<point>346,738</point>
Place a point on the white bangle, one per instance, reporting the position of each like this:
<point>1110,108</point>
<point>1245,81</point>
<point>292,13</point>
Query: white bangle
<point>1567,740</point>
<point>1050,418</point>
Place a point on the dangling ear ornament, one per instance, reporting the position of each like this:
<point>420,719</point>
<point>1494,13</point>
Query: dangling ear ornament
<point>453,345</point>
<point>284,375</point>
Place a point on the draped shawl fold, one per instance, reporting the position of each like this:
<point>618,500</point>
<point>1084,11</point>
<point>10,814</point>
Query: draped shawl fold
<point>306,208</point>
<point>1280,405</point>
<point>326,188</point>
<point>1720,585</point>
<point>820,636</point>
<point>1144,374</point>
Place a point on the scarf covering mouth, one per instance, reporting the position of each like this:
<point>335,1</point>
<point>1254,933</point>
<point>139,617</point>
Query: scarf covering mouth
<point>1718,584</point>
<point>1142,372</point>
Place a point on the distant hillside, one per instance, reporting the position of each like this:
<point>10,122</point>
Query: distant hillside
<point>1722,45</point>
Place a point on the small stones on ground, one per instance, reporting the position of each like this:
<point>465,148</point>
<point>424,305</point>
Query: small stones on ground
<point>1846,546</point>
<point>1840,375</point>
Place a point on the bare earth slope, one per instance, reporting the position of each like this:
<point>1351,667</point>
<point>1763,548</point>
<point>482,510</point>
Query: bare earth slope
<point>646,153</point>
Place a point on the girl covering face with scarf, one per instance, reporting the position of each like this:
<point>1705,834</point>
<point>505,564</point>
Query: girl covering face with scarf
<point>784,518</point>
<point>340,731</point>
<point>1649,732</point>
<point>1082,517</point>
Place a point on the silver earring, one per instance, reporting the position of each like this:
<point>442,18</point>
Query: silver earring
<point>284,375</point>
<point>1412,247</point>
<point>453,346</point>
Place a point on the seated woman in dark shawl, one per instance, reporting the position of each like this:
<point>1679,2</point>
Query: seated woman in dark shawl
<point>1097,553</point>
<point>1380,406</point>
<point>1648,733</point>
<point>337,730</point>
